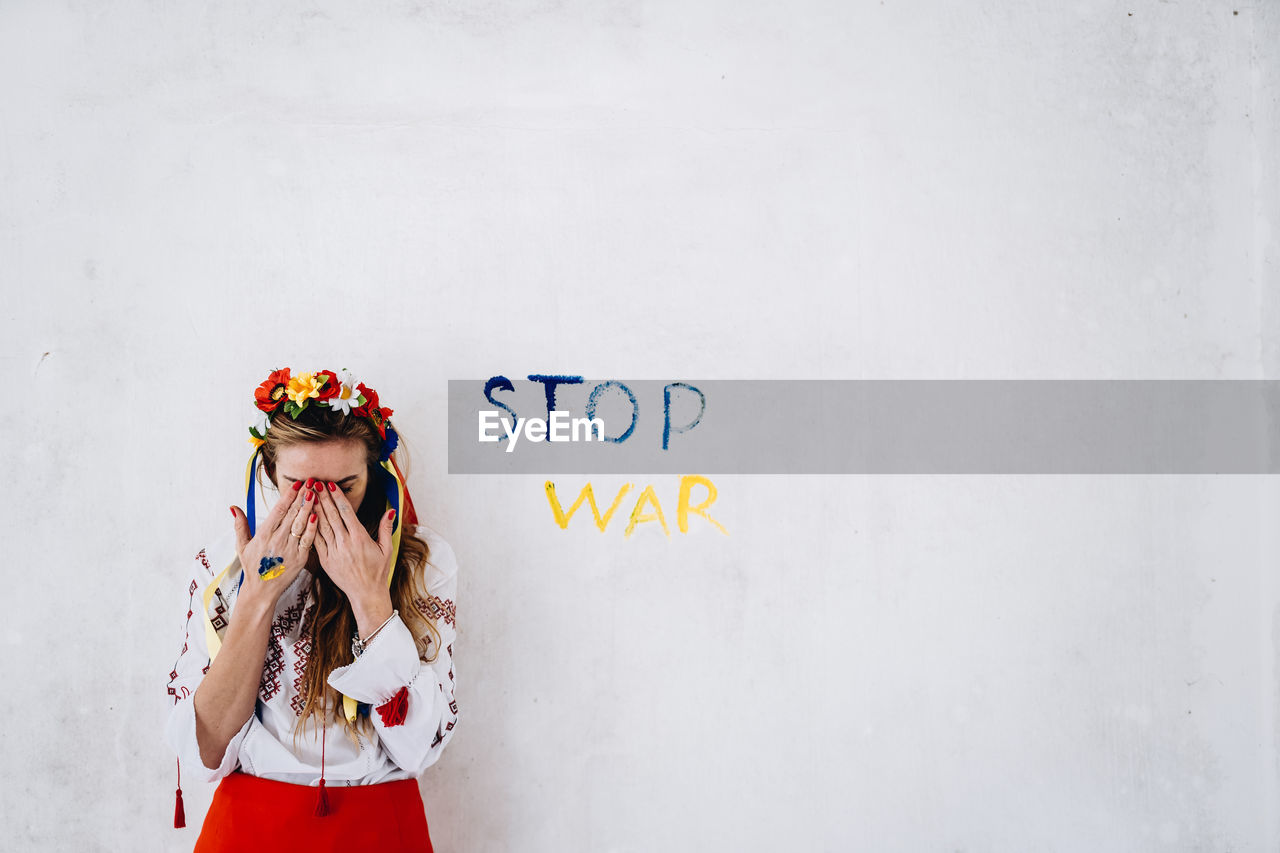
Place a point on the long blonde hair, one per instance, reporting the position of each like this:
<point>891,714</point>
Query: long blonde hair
<point>330,622</point>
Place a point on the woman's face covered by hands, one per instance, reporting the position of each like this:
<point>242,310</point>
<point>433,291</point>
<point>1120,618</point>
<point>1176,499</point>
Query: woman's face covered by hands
<point>340,461</point>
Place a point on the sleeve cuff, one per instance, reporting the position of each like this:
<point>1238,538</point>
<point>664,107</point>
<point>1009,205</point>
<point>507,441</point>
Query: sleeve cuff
<point>389,663</point>
<point>180,732</point>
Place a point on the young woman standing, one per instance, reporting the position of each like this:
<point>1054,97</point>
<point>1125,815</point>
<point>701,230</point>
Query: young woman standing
<point>315,681</point>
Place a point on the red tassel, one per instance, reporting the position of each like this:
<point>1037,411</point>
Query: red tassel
<point>179,813</point>
<point>395,709</point>
<point>322,797</point>
<point>322,801</point>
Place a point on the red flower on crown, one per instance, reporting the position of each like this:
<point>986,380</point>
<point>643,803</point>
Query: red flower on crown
<point>270,395</point>
<point>331,386</point>
<point>370,401</point>
<point>371,410</point>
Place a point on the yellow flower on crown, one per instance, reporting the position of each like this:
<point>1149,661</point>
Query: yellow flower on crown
<point>303,387</point>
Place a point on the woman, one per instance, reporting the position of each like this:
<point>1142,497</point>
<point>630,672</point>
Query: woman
<point>315,681</point>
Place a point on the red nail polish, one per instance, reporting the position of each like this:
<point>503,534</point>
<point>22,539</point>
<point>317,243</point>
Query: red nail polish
<point>308,494</point>
<point>313,517</point>
<point>393,515</point>
<point>310,481</point>
<point>233,512</point>
<point>297,485</point>
<point>333,487</point>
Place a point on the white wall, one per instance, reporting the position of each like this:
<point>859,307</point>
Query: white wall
<point>194,194</point>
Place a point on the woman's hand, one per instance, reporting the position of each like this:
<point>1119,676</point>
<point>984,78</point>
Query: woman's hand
<point>353,560</point>
<point>283,540</point>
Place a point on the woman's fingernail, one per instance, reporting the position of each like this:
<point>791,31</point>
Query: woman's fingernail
<point>313,518</point>
<point>308,494</point>
<point>333,487</point>
<point>310,481</point>
<point>233,512</point>
<point>297,484</point>
<point>393,515</point>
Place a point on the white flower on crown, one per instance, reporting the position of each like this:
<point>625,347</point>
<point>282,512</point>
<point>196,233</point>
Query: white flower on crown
<point>262,423</point>
<point>347,395</point>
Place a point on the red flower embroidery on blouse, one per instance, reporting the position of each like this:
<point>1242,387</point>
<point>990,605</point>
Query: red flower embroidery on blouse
<point>395,709</point>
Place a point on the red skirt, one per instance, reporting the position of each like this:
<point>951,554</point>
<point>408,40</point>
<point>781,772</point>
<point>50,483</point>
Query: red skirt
<point>251,813</point>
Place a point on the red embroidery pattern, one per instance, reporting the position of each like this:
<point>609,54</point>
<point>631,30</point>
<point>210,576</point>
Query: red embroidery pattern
<point>453,704</point>
<point>186,639</point>
<point>302,651</point>
<point>219,620</point>
<point>274,665</point>
<point>436,608</point>
<point>173,676</point>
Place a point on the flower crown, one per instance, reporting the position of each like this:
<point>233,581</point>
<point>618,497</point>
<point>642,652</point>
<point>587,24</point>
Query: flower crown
<point>292,394</point>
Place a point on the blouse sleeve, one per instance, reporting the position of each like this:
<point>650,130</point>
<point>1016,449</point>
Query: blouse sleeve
<point>415,725</point>
<point>189,670</point>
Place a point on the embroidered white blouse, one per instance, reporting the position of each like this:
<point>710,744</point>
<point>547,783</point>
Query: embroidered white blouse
<point>264,746</point>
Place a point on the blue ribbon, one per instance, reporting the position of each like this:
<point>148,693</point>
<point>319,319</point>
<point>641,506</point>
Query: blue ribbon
<point>390,486</point>
<point>249,512</point>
